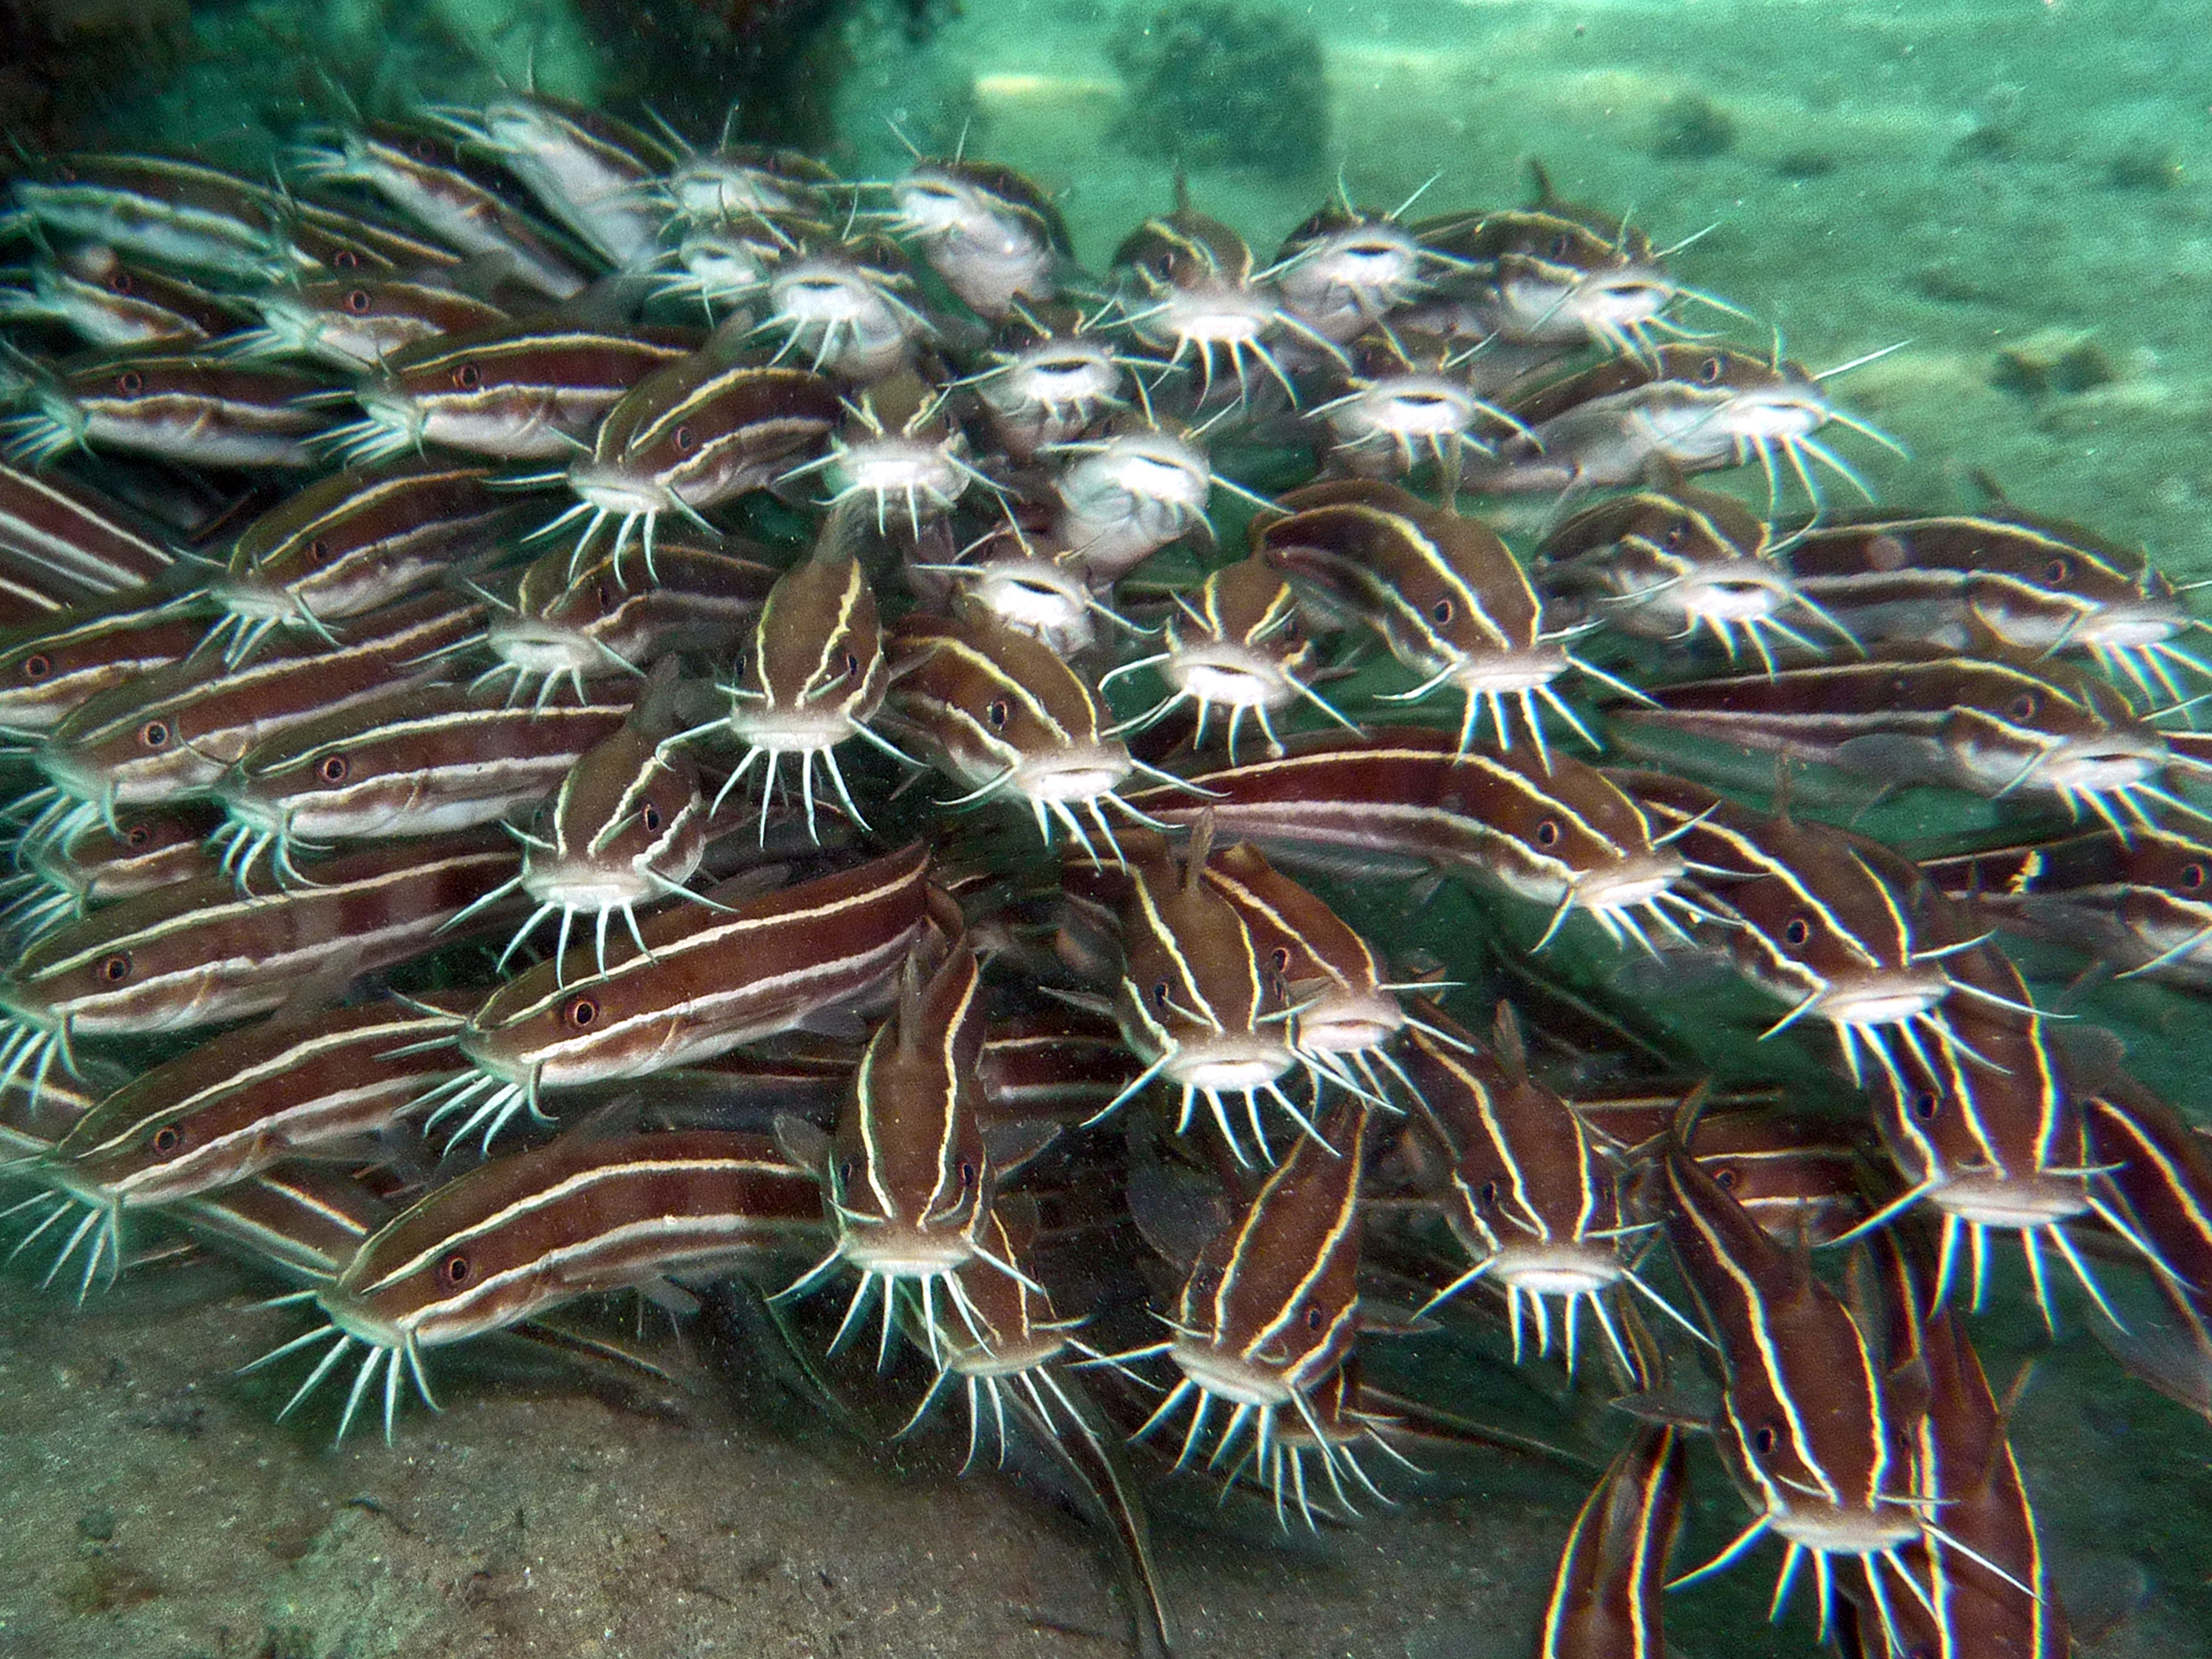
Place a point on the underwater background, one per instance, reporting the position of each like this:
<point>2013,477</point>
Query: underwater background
<point>2016,196</point>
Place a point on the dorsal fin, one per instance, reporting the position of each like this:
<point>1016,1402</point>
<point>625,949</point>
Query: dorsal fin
<point>1201,843</point>
<point>1541,181</point>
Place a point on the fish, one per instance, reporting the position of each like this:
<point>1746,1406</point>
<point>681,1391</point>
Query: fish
<point>526,1233</point>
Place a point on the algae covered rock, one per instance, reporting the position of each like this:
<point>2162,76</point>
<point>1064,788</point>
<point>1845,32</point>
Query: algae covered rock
<point>1214,83</point>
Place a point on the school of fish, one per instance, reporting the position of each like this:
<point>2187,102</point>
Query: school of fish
<point>589,714</point>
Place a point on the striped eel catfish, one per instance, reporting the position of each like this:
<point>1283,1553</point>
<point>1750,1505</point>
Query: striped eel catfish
<point>907,1179</point>
<point>699,431</point>
<point>1050,374</point>
<point>1271,1308</point>
<point>709,978</point>
<point>814,675</point>
<point>1605,1596</point>
<point>628,826</point>
<point>191,409</point>
<point>420,173</point>
<point>1195,1003</point>
<point>92,648</point>
<point>840,299</point>
<point>1240,644</point>
<point>1025,580</point>
<point>97,865</point>
<point>2161,1169</point>
<point>1345,267</point>
<point>2038,584</point>
<point>1192,287</point>
<point>592,172</point>
<point>516,392</point>
<point>1992,727</point>
<point>166,211</point>
<point>2140,898</point>
<point>353,323</point>
<point>1837,925</point>
<point>1695,406</point>
<point>897,446</point>
<point>995,237</point>
<point>573,626</point>
<point>1989,1582</point>
<point>201,953</point>
<point>106,301</point>
<point>1531,1195</point>
<point>1669,563</point>
<point>1128,492</point>
<point>351,542</point>
<point>1810,1428</point>
<point>1407,801</point>
<point>1343,1015</point>
<point>1988,1133</point>
<point>169,737</point>
<point>234,1107</point>
<point>1001,715</point>
<point>414,762</point>
<point>1406,405</point>
<point>1447,598</point>
<point>523,1234</point>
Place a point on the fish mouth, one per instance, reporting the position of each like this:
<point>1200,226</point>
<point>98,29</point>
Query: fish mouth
<point>2023,1204</point>
<point>898,1250</point>
<point>1252,1382</point>
<point>791,731</point>
<point>610,489</point>
<point>1229,679</point>
<point>536,651</point>
<point>1226,1063</point>
<point>1001,1357</point>
<point>1845,1530</point>
<point>1886,998</point>
<point>1507,674</point>
<point>2125,628</point>
<point>1563,1270</point>
<point>1630,884</point>
<point>585,888</point>
<point>1076,774</point>
<point>1350,1025</point>
<point>2101,766</point>
<point>1730,595</point>
<point>256,600</point>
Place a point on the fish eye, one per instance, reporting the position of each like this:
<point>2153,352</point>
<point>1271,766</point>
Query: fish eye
<point>2193,875</point>
<point>423,148</point>
<point>167,1138</point>
<point>356,300</point>
<point>852,666</point>
<point>683,439</point>
<point>2058,570</point>
<point>121,282</point>
<point>967,1174</point>
<point>345,259</point>
<point>453,1269</point>
<point>1443,610</point>
<point>1925,1103</point>
<point>652,818</point>
<point>1560,246</point>
<point>113,969</point>
<point>1678,533</point>
<point>1724,1178</point>
<point>1489,1194</point>
<point>1764,1440</point>
<point>603,594</point>
<point>1313,1317</point>
<point>580,1011</point>
<point>996,712</point>
<point>2022,707</point>
<point>1548,833</point>
<point>154,734</point>
<point>37,666</point>
<point>1797,931</point>
<point>333,769</point>
<point>468,378</point>
<point>130,383</point>
<point>319,550</point>
<point>1281,958</point>
<point>137,835</point>
<point>847,1171</point>
<point>1709,371</point>
<point>1160,994</point>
